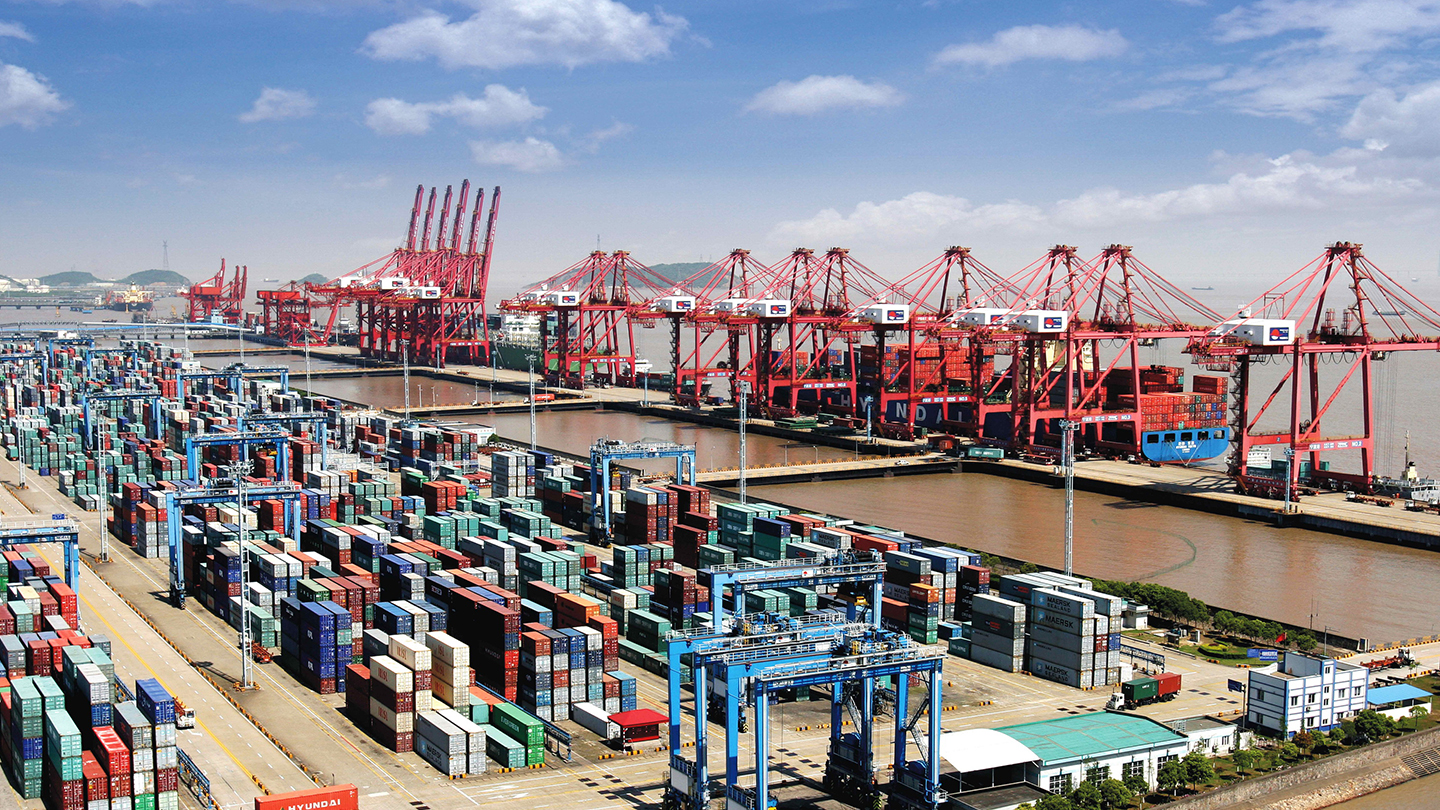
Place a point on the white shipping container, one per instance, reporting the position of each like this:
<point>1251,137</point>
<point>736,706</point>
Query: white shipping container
<point>441,732</point>
<point>392,674</point>
<point>424,700</point>
<point>410,653</point>
<point>167,756</point>
<point>447,650</point>
<point>987,604</point>
<point>594,719</point>
<point>474,732</point>
<point>395,721</point>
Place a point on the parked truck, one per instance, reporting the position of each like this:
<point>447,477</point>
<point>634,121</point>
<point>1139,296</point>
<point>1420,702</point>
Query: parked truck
<point>1143,691</point>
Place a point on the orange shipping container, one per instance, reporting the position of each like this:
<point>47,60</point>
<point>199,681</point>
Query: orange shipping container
<point>338,797</point>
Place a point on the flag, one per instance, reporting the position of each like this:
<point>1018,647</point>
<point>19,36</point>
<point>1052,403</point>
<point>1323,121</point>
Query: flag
<point>1281,639</point>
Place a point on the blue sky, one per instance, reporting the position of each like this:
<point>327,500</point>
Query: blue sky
<point>1224,141</point>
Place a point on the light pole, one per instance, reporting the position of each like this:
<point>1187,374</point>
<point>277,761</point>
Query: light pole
<point>308,390</point>
<point>1068,459</point>
<point>532,402</point>
<point>405,360</point>
<point>1289,475</point>
<point>104,505</point>
<point>744,405</point>
<point>237,472</point>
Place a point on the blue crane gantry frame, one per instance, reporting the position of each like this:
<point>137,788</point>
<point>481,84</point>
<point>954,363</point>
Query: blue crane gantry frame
<point>92,353</point>
<point>87,342</point>
<point>801,653</point>
<point>114,396</point>
<point>287,419</point>
<point>175,500</point>
<point>863,570</point>
<point>233,373</point>
<point>59,528</point>
<point>605,451</point>
<point>244,438</point>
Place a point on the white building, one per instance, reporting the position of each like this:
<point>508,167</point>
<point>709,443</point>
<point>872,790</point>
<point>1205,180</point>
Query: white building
<point>1305,693</point>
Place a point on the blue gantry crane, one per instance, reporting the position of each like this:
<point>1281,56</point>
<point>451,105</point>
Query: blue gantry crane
<point>243,439</point>
<point>288,419</point>
<point>60,528</point>
<point>744,660</point>
<point>152,395</point>
<point>606,451</point>
<point>233,373</point>
<point>225,492</point>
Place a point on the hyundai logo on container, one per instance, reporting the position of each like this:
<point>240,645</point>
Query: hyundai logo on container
<point>1054,323</point>
<point>894,314</point>
<point>777,309</point>
<point>1278,333</point>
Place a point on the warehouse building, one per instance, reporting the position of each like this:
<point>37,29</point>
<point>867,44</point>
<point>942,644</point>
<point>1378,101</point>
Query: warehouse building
<point>998,769</point>
<point>1396,702</point>
<point>1305,693</point>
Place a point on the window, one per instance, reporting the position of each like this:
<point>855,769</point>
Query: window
<point>1294,700</point>
<point>1097,774</point>
<point>1136,768</point>
<point>1310,698</point>
<point>1153,438</point>
<point>1258,696</point>
<point>1202,435</point>
<point>1060,784</point>
<point>1161,760</point>
<point>1169,437</point>
<point>1187,436</point>
<point>1310,722</point>
<point>1340,692</point>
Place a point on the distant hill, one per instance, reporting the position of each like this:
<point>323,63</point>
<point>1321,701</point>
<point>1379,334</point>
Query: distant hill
<point>314,278</point>
<point>676,271</point>
<point>70,278</point>
<point>146,277</point>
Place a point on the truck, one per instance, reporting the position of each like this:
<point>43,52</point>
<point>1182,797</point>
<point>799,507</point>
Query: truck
<point>1143,691</point>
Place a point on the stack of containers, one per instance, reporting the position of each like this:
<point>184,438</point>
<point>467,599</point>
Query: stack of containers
<point>27,736</point>
<point>647,516</point>
<point>441,743</point>
<point>511,722</point>
<point>392,704</point>
<point>512,475</point>
<point>415,657</point>
<point>908,580</point>
<point>450,674</point>
<point>1062,639</point>
<point>973,580</point>
<point>998,635</point>
<point>316,642</point>
<point>64,772</point>
<point>150,790</point>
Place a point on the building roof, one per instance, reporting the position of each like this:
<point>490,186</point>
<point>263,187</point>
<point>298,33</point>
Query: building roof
<point>979,749</point>
<point>1380,695</point>
<point>1091,735</point>
<point>638,717</point>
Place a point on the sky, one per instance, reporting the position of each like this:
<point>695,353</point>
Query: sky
<point>1228,143</point>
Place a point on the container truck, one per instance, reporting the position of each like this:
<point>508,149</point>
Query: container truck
<point>1143,691</point>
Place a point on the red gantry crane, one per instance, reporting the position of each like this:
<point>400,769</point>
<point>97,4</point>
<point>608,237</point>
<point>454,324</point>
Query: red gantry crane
<point>215,300</point>
<point>1340,310</point>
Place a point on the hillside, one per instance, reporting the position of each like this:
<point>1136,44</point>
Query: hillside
<point>676,271</point>
<point>70,278</point>
<point>167,277</point>
<point>314,278</point>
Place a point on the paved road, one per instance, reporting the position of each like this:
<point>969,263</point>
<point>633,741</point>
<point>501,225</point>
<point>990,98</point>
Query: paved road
<point>229,748</point>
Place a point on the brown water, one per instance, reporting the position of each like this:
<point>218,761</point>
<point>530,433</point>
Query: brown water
<point>715,448</point>
<point>1357,587</point>
<point>1414,795</point>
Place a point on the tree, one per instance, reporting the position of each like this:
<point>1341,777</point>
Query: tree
<point>1029,568</point>
<point>1171,776</point>
<point>1305,642</point>
<point>1417,713</point>
<point>1305,740</point>
<point>1136,784</point>
<point>1086,797</point>
<point>1244,760</point>
<point>1289,751</point>
<point>1337,735</point>
<point>1114,794</point>
<point>1056,802</point>
<point>1198,769</point>
<point>1224,621</point>
<point>1371,726</point>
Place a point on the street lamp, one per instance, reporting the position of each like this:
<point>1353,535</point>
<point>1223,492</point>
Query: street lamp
<point>744,401</point>
<point>1069,427</point>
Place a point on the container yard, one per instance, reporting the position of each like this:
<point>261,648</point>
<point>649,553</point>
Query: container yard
<point>407,606</point>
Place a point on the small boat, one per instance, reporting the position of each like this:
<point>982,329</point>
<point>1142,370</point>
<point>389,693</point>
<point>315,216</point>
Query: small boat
<point>1202,289</point>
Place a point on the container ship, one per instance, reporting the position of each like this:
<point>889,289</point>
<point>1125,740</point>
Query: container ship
<point>131,300</point>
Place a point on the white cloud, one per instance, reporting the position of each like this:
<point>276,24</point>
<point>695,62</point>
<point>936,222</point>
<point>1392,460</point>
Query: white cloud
<point>377,182</point>
<point>506,33</point>
<point>1409,122</point>
<point>529,155</point>
<point>1074,43</point>
<point>1353,25</point>
<point>1295,182</point>
<point>1155,99</point>
<point>27,99</point>
<point>15,30</point>
<point>591,142</point>
<point>498,107</point>
<point>277,104</point>
<point>817,94</point>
